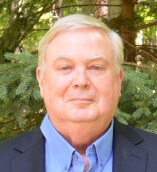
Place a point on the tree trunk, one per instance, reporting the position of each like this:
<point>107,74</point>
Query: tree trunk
<point>128,30</point>
<point>14,34</point>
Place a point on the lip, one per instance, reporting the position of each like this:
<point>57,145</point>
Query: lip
<point>81,100</point>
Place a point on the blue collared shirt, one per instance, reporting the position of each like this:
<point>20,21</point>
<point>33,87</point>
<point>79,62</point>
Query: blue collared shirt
<point>60,156</point>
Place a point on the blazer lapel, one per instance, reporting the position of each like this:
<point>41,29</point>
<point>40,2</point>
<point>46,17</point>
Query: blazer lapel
<point>128,150</point>
<point>31,153</point>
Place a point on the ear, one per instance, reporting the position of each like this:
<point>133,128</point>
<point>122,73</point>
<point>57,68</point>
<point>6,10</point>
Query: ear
<point>121,73</point>
<point>40,79</point>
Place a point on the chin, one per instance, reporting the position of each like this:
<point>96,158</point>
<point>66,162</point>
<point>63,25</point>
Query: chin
<point>82,116</point>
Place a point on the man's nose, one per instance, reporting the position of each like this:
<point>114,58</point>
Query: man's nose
<point>81,79</point>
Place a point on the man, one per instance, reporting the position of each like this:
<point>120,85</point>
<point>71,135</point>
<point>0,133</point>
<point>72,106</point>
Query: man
<point>80,74</point>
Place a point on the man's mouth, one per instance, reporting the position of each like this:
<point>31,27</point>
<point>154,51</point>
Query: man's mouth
<point>81,100</point>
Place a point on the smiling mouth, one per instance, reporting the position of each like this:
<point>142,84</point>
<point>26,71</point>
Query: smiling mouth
<point>81,100</point>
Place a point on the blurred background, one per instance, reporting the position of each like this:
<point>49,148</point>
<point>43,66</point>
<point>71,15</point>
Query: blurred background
<point>24,22</point>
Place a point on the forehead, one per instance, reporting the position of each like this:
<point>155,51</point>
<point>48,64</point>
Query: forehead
<point>82,43</point>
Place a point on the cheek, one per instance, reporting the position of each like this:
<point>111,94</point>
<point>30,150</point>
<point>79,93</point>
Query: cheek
<point>108,89</point>
<point>104,84</point>
<point>108,98</point>
<point>56,87</point>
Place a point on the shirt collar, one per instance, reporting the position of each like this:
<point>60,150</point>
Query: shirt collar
<point>104,144</point>
<point>58,145</point>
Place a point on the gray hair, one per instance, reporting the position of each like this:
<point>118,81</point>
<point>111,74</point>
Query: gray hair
<point>81,21</point>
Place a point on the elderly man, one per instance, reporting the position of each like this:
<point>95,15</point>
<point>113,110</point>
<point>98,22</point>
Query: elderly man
<point>80,74</point>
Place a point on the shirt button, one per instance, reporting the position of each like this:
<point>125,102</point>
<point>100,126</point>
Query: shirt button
<point>65,168</point>
<point>75,157</point>
<point>101,164</point>
<point>90,149</point>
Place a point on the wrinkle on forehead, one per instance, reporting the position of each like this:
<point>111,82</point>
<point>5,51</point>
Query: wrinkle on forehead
<point>94,34</point>
<point>100,33</point>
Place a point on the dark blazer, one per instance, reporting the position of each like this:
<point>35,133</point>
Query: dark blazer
<point>133,151</point>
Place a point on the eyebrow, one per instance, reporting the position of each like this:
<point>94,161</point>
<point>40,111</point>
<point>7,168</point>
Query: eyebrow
<point>97,57</point>
<point>62,57</point>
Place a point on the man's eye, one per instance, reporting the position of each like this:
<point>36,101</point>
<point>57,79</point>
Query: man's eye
<point>65,67</point>
<point>96,67</point>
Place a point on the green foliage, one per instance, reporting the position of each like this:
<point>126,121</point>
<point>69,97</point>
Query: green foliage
<point>30,43</point>
<point>138,103</point>
<point>146,9</point>
<point>21,107</point>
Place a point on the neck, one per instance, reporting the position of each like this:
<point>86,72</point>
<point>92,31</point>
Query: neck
<point>81,135</point>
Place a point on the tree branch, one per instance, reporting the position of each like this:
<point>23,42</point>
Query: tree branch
<point>154,23</point>
<point>134,1</point>
<point>136,65</point>
<point>3,123</point>
<point>86,5</point>
<point>151,57</point>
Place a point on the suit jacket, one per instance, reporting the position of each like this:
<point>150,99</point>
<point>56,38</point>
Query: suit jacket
<point>133,151</point>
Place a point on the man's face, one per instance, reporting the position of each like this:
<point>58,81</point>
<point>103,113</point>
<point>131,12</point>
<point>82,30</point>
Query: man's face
<point>80,84</point>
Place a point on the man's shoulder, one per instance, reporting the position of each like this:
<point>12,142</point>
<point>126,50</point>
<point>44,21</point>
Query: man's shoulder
<point>144,133</point>
<point>143,139</point>
<point>149,139</point>
<point>23,153</point>
<point>22,142</point>
<point>137,144</point>
<point>132,133</point>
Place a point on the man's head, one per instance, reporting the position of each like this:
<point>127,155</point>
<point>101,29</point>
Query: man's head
<point>81,21</point>
<point>81,82</point>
